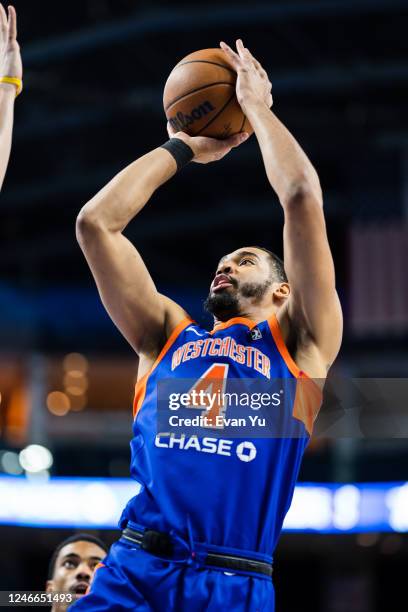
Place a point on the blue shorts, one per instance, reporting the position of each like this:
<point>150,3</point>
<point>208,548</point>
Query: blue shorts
<point>132,579</point>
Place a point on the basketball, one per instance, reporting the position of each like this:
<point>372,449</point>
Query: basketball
<point>199,96</point>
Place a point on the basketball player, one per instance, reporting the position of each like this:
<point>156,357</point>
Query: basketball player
<point>11,73</point>
<point>200,534</point>
<point>72,566</point>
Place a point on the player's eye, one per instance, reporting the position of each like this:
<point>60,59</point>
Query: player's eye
<point>69,564</point>
<point>245,261</point>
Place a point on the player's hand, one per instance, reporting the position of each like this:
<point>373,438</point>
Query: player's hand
<point>208,149</point>
<point>10,57</point>
<point>253,84</point>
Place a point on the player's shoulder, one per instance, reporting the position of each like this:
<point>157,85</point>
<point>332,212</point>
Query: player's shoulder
<point>180,321</point>
<point>176,319</point>
<point>175,316</point>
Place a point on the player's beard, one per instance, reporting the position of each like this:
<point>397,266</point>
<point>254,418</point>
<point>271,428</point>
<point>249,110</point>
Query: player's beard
<point>225,304</point>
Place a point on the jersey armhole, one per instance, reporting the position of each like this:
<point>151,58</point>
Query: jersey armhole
<point>282,348</point>
<point>140,387</point>
<point>309,395</point>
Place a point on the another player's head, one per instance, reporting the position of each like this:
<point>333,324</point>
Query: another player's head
<point>72,566</point>
<point>248,278</point>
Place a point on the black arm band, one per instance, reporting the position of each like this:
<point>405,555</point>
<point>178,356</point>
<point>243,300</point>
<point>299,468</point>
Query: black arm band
<point>181,152</point>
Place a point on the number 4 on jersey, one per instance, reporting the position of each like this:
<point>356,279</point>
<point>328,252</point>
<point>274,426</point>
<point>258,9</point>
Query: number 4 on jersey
<point>212,387</point>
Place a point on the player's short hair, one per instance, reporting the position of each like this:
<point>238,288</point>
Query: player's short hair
<point>78,537</point>
<point>278,268</point>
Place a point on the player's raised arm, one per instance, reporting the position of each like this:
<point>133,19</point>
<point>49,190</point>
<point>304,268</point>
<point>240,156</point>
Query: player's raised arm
<point>313,306</point>
<point>11,71</point>
<point>128,293</point>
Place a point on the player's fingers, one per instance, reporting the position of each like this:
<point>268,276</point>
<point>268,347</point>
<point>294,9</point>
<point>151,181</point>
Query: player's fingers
<point>232,56</point>
<point>12,20</point>
<point>224,152</point>
<point>260,70</point>
<point>240,45</point>
<point>242,50</point>
<point>3,18</point>
<point>170,130</point>
<point>236,140</point>
<point>257,64</point>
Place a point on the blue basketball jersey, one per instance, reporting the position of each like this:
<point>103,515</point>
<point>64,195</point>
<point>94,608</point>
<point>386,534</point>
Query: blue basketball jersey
<point>230,491</point>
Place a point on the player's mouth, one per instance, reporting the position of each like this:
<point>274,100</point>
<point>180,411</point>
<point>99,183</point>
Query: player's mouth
<point>80,588</point>
<point>221,282</point>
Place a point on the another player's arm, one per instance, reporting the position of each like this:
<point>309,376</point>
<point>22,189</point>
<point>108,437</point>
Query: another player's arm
<point>126,288</point>
<point>10,66</point>
<point>313,305</point>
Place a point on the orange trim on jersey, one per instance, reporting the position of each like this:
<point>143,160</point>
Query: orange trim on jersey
<point>242,320</point>
<point>308,400</point>
<point>98,565</point>
<point>140,388</point>
<point>309,395</point>
<point>280,343</point>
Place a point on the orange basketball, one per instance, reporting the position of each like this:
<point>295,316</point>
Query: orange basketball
<point>199,96</point>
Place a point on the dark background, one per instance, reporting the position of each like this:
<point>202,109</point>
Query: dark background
<point>94,75</point>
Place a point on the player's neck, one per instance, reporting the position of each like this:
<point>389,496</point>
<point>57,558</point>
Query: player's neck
<point>255,314</point>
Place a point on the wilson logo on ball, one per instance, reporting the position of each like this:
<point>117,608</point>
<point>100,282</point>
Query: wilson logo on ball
<point>181,120</point>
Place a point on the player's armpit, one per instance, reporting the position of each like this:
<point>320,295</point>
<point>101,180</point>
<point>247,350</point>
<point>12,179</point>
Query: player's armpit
<point>126,288</point>
<point>313,304</point>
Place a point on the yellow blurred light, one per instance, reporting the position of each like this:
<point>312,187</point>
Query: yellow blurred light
<point>75,390</point>
<point>80,382</point>
<point>75,361</point>
<point>58,403</point>
<point>75,374</point>
<point>17,415</point>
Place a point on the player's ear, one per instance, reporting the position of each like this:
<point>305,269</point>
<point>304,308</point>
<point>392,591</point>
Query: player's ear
<point>49,586</point>
<point>281,291</point>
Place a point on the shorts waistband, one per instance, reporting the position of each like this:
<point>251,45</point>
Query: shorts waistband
<point>167,547</point>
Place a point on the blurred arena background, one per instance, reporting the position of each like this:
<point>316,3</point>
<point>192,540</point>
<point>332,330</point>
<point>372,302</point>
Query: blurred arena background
<point>94,74</point>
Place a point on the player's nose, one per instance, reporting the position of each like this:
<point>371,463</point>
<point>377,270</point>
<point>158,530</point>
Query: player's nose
<point>83,573</point>
<point>225,269</point>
